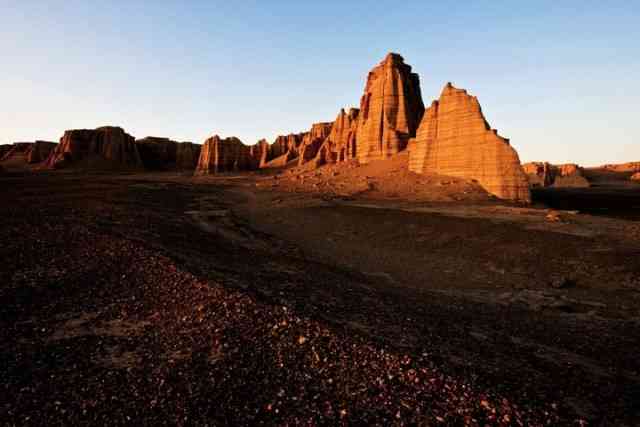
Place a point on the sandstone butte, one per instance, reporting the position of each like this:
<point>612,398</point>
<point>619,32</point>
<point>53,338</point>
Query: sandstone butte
<point>390,110</point>
<point>454,139</point>
<point>107,146</point>
<point>543,174</point>
<point>164,154</point>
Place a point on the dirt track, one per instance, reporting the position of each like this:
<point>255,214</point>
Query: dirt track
<point>160,298</point>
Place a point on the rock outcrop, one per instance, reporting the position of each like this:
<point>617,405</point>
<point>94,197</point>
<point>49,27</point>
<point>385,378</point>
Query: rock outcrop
<point>165,154</point>
<point>543,174</point>
<point>635,177</point>
<point>390,110</point>
<point>623,167</point>
<point>39,151</point>
<point>104,147</point>
<point>4,149</point>
<point>228,155</point>
<point>312,141</point>
<point>283,150</point>
<point>454,139</point>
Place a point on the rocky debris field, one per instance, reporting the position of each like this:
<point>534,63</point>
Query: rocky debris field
<point>121,307</point>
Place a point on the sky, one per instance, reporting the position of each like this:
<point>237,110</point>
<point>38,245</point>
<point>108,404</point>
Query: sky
<point>560,79</point>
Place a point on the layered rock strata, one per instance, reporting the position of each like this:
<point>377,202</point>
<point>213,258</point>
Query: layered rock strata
<point>455,139</point>
<point>227,155</point>
<point>107,146</point>
<point>390,110</point>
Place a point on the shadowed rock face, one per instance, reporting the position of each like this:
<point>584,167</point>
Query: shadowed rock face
<point>165,154</point>
<point>23,153</point>
<point>390,110</point>
<point>107,146</point>
<point>39,151</point>
<point>284,149</point>
<point>455,139</point>
<point>543,174</point>
<point>635,177</point>
<point>227,155</point>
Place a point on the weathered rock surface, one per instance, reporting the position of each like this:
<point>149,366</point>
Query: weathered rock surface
<point>390,110</point>
<point>454,139</point>
<point>284,149</point>
<point>543,174</point>
<point>165,154</point>
<point>107,146</point>
<point>313,140</point>
<point>635,177</point>
<point>39,151</point>
<point>228,155</point>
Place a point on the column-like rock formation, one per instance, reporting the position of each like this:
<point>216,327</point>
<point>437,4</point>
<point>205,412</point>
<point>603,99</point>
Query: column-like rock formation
<point>227,155</point>
<point>455,139</point>
<point>390,110</point>
<point>312,141</point>
<point>106,146</point>
<point>164,154</point>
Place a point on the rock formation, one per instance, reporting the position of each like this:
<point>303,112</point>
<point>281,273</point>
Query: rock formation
<point>283,150</point>
<point>543,174</point>
<point>227,155</point>
<point>312,141</point>
<point>102,147</point>
<point>623,167</point>
<point>4,149</point>
<point>165,154</point>
<point>635,177</point>
<point>39,151</point>
<point>390,110</point>
<point>454,139</point>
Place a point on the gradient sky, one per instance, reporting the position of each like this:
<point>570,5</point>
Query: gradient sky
<point>561,79</point>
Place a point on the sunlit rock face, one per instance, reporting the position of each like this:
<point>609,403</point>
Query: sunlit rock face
<point>455,139</point>
<point>227,155</point>
<point>390,110</point>
<point>284,149</point>
<point>543,174</point>
<point>312,141</point>
<point>107,146</point>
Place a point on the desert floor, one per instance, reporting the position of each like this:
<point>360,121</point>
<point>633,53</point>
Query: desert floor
<point>252,299</point>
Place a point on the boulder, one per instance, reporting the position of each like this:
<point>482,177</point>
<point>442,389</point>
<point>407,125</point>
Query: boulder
<point>226,155</point>
<point>390,110</point>
<point>104,147</point>
<point>455,139</point>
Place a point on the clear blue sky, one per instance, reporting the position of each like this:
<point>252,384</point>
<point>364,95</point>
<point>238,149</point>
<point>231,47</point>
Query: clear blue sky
<point>561,79</point>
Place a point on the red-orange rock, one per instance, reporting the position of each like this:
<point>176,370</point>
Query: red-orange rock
<point>107,146</point>
<point>312,141</point>
<point>623,167</point>
<point>635,177</point>
<point>284,149</point>
<point>455,139</point>
<point>164,154</point>
<point>390,110</point>
<point>543,174</point>
<point>227,155</point>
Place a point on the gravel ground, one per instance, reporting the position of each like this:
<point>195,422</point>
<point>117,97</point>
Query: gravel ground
<point>101,324</point>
